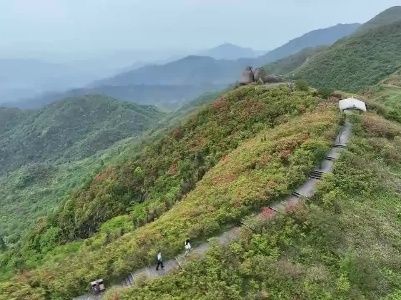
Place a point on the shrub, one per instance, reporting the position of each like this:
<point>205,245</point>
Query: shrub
<point>325,93</point>
<point>301,85</point>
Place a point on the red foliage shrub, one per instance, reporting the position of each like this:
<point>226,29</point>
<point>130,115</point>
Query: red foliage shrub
<point>263,160</point>
<point>224,158</point>
<point>291,207</point>
<point>297,210</point>
<point>100,177</point>
<point>108,173</point>
<point>267,212</point>
<point>177,133</point>
<point>173,169</point>
<point>224,179</point>
<point>116,296</point>
<point>220,105</point>
<point>379,127</point>
<point>285,154</point>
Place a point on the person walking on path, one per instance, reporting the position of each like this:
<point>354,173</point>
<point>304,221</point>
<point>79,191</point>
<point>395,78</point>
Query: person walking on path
<point>159,261</point>
<point>187,247</point>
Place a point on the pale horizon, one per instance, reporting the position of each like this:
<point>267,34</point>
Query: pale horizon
<point>74,30</point>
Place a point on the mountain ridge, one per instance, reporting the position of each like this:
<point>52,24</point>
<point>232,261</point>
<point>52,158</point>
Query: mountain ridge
<point>386,17</point>
<point>190,76</point>
<point>231,51</point>
<point>224,71</point>
<point>356,62</point>
<point>314,38</point>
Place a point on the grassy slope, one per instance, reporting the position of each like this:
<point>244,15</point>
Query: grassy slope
<point>261,170</point>
<point>344,243</point>
<point>385,97</point>
<point>356,62</point>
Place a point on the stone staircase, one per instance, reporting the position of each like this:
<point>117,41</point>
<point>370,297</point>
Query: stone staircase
<point>306,190</point>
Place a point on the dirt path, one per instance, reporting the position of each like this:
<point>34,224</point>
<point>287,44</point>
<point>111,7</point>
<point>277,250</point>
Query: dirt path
<point>306,190</point>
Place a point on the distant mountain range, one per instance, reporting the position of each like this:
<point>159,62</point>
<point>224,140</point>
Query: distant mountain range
<point>197,70</point>
<point>171,84</point>
<point>231,52</point>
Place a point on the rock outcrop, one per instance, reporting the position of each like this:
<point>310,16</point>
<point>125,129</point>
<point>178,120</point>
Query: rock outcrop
<point>260,74</point>
<point>247,76</point>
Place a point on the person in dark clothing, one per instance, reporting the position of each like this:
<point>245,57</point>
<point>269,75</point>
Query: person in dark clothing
<point>187,247</point>
<point>159,261</point>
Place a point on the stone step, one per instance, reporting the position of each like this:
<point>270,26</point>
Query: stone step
<point>296,194</point>
<point>130,279</point>
<point>340,146</point>
<point>317,172</point>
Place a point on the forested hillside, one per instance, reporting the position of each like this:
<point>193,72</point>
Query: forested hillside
<point>386,96</point>
<point>315,38</point>
<point>46,154</point>
<point>11,117</point>
<point>288,64</point>
<point>356,62</point>
<point>35,190</point>
<point>387,17</point>
<point>71,129</point>
<point>170,179</point>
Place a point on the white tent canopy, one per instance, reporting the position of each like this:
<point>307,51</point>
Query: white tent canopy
<point>352,103</point>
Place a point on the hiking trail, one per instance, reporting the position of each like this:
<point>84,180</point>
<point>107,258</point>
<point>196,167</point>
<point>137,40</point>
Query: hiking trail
<point>306,190</point>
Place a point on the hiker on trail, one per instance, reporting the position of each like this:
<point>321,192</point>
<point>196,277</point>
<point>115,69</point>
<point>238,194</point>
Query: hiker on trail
<point>187,247</point>
<point>159,261</point>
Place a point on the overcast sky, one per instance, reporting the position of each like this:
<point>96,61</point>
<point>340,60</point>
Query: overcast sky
<point>95,27</point>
